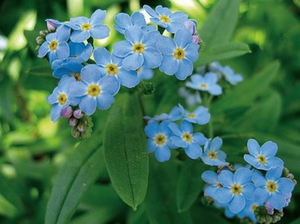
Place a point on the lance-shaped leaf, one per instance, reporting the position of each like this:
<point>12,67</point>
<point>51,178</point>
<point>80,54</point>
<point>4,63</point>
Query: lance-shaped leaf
<point>79,172</point>
<point>125,151</point>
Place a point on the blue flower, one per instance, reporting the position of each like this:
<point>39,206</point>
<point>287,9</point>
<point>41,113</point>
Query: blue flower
<point>174,115</point>
<point>237,189</point>
<point>94,90</point>
<point>178,54</point>
<point>199,116</point>
<point>56,45</point>
<point>85,28</point>
<point>159,140</point>
<point>61,98</point>
<point>272,188</point>
<point>262,158</point>
<point>211,178</point>
<point>124,21</point>
<point>226,71</point>
<point>184,137</point>
<point>163,17</point>
<point>212,154</point>
<point>111,65</point>
<point>208,83</point>
<point>138,49</point>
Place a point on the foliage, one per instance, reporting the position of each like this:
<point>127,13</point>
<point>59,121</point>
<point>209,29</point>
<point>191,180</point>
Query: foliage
<point>47,176</point>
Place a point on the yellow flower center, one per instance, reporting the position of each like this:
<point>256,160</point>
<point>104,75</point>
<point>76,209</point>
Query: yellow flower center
<point>271,186</point>
<point>164,19</point>
<point>236,189</point>
<point>219,185</point>
<point>62,98</point>
<point>138,48</point>
<point>160,139</point>
<point>86,26</point>
<point>212,155</point>
<point>112,69</point>
<point>203,85</point>
<point>261,159</point>
<point>191,115</point>
<point>94,90</point>
<point>77,76</point>
<point>187,137</point>
<point>179,53</point>
<point>53,45</point>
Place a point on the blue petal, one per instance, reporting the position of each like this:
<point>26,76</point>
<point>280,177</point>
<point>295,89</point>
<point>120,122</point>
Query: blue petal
<point>175,128</point>
<point>79,36</point>
<point>102,56</point>
<point>277,201</point>
<point>192,51</point>
<point>186,127</point>
<point>274,161</point>
<point>223,195</point>
<point>53,97</point>
<point>91,73</point>
<point>178,141</point>
<point>251,160</point>
<point>185,69</point>
<point>100,31</point>
<point>63,51</point>
<point>128,78</point>
<point>88,105</point>
<point>152,58</point>
<point>182,37</point>
<point>258,179</point>
<point>216,143</point>
<point>274,173</point>
<point>133,61</point>
<point>150,11</point>
<point>151,146</point>
<point>151,38</point>
<point>43,50</point>
<point>138,19</point>
<point>209,177</point>
<point>261,195</point>
<point>122,48</point>
<point>193,150</point>
<point>78,89</point>
<point>104,100</point>
<point>285,185</point>
<point>269,149</point>
<point>242,175</point>
<point>109,84</point>
<point>55,112</point>
<point>199,138</point>
<point>151,129</point>
<point>134,34</point>
<point>162,154</point>
<point>179,17</point>
<point>226,178</point>
<point>123,20</point>
<point>253,147</point>
<point>165,45</point>
<point>248,191</point>
<point>98,17</point>
<point>169,65</point>
<point>237,204</point>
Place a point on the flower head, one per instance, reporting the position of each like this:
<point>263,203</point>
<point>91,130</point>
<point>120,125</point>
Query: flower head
<point>163,17</point>
<point>138,49</point>
<point>208,83</point>
<point>111,65</point>
<point>262,157</point>
<point>184,137</point>
<point>61,97</point>
<point>272,188</point>
<point>85,28</point>
<point>174,115</point>
<point>212,154</point>
<point>178,54</point>
<point>94,90</point>
<point>199,116</point>
<point>159,140</point>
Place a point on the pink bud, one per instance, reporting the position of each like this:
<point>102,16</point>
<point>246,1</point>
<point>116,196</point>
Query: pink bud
<point>191,25</point>
<point>73,121</point>
<point>66,112</point>
<point>52,24</point>
<point>77,113</point>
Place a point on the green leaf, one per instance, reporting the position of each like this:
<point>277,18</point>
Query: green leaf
<point>220,23</point>
<point>125,150</point>
<point>220,52</point>
<point>189,184</point>
<point>31,35</point>
<point>79,172</point>
<point>244,93</point>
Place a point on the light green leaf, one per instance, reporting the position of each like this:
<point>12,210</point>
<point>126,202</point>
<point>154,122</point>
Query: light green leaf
<point>220,52</point>
<point>79,172</point>
<point>189,184</point>
<point>125,150</point>
<point>220,23</point>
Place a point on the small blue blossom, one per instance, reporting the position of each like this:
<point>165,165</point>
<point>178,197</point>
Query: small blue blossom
<point>272,188</point>
<point>212,154</point>
<point>138,49</point>
<point>111,65</point>
<point>199,116</point>
<point>85,28</point>
<point>124,21</point>
<point>56,45</point>
<point>94,90</point>
<point>262,158</point>
<point>237,189</point>
<point>226,71</point>
<point>61,98</point>
<point>184,137</point>
<point>159,140</point>
<point>208,83</point>
<point>213,185</point>
<point>163,17</point>
<point>174,115</point>
<point>178,54</point>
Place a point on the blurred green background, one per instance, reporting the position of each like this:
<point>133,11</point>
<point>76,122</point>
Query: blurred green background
<point>33,149</point>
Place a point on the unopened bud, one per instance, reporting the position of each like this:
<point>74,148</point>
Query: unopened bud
<point>77,113</point>
<point>73,121</point>
<point>52,24</point>
<point>67,112</point>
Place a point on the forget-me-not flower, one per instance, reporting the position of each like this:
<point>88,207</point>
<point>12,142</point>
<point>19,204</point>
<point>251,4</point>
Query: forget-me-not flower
<point>163,17</point>
<point>178,54</point>
<point>237,188</point>
<point>112,66</point>
<point>85,28</point>
<point>272,188</point>
<point>94,90</point>
<point>124,21</point>
<point>213,185</point>
<point>174,115</point>
<point>184,137</point>
<point>262,158</point>
<point>208,83</point>
<point>199,116</point>
<point>138,49</point>
<point>212,155</point>
<point>56,46</point>
<point>159,140</point>
<point>61,98</point>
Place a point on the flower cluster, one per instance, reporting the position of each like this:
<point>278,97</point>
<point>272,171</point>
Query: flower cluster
<point>247,191</point>
<point>91,77</point>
